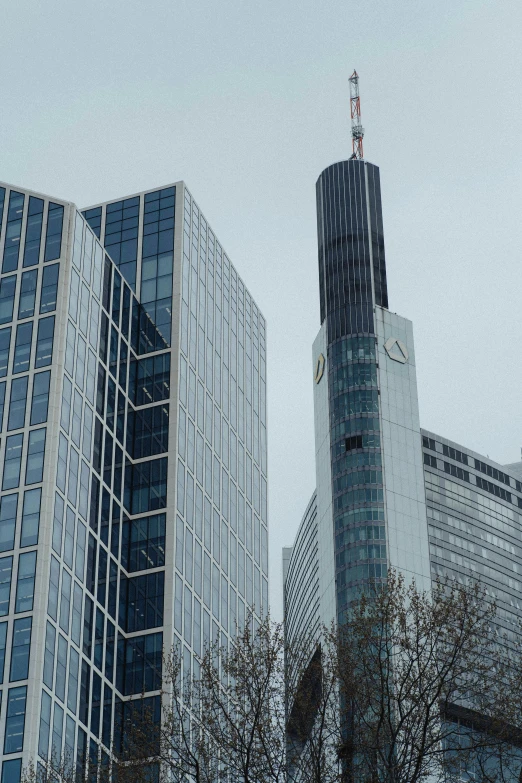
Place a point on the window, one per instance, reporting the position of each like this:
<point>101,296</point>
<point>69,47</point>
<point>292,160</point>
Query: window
<point>6,568</point>
<point>12,771</point>
<point>143,543</point>
<point>22,353</point>
<point>12,462</point>
<point>8,507</point>
<point>61,668</point>
<point>35,457</point>
<point>53,239</point>
<point>13,231</point>
<point>27,294</point>
<point>5,342</point>
<point>7,293</point>
<point>33,232</point>
<point>44,342</point>
<point>448,451</point>
<point>148,431</point>
<point>45,726</point>
<point>49,288</point>
<point>72,691</point>
<point>139,664</point>
<point>141,602</point>
<point>146,486</point>
<point>20,649</point>
<point>3,640</point>
<point>40,399</point>
<point>54,583</point>
<point>50,643</point>
<point>430,460</point>
<point>2,403</point>
<point>16,418</point>
<point>15,720</point>
<point>31,517</point>
<point>25,582</point>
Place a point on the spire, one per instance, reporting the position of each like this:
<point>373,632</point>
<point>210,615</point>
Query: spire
<point>355,111</point>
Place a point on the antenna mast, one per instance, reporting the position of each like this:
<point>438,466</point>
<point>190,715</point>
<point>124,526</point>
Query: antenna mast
<point>355,111</point>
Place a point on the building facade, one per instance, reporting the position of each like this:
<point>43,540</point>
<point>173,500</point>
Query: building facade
<point>133,501</point>
<point>388,494</point>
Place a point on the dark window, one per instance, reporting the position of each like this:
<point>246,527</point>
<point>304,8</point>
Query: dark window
<point>22,352</point>
<point>453,470</point>
<point>150,379</point>
<point>27,294</point>
<point>16,418</point>
<point>93,218</point>
<point>139,664</point>
<point>25,582</point>
<point>53,239</point>
<point>15,720</point>
<point>35,456</point>
<point>498,475</point>
<point>33,232</point>
<point>3,640</point>
<point>143,543</point>
<point>455,454</point>
<point>148,431</point>
<point>146,486</point>
<point>493,488</point>
<point>30,517</point>
<point>20,649</point>
<point>12,462</point>
<point>7,293</point>
<point>5,342</point>
<point>40,399</point>
<point>8,508</point>
<point>354,442</point>
<point>44,342</point>
<point>49,288</point>
<point>6,568</point>
<point>141,601</point>
<point>13,231</point>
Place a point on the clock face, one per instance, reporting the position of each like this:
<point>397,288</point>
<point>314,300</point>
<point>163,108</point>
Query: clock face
<point>319,368</point>
<point>396,350</point>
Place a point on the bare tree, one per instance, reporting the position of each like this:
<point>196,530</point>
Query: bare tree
<point>428,687</point>
<point>413,687</point>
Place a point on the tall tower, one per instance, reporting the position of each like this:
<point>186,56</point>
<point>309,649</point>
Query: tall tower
<point>133,488</point>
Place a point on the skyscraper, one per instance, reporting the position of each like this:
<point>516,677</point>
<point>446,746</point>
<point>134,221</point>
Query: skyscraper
<point>133,501</point>
<point>388,494</point>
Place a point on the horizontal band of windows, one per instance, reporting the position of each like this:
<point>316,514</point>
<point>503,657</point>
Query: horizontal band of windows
<point>360,571</point>
<point>351,425</point>
<point>358,496</point>
<point>360,552</point>
<point>360,459</point>
<point>356,478</point>
<point>357,515</point>
<point>476,567</point>
<point>354,535</point>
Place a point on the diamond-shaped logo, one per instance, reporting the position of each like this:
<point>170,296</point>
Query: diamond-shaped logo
<point>396,350</point>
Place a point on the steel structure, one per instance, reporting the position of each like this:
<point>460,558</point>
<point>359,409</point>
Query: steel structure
<point>355,111</point>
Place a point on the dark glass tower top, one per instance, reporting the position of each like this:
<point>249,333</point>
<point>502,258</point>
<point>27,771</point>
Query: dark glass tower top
<point>352,271</point>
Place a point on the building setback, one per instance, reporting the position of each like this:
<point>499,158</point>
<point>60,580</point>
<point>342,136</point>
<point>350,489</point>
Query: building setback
<point>133,500</point>
<point>388,494</point>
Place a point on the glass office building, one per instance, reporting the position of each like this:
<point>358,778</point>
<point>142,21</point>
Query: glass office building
<point>133,501</point>
<point>388,494</point>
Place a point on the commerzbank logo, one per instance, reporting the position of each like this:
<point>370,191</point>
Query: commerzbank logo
<point>319,368</point>
<point>396,350</point>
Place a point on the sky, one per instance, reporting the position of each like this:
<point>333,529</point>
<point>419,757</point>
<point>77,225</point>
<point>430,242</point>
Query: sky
<point>248,102</point>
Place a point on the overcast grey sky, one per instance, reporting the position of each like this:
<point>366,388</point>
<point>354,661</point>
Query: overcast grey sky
<point>248,102</point>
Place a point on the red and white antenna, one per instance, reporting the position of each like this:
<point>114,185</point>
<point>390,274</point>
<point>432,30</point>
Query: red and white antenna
<point>355,111</point>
